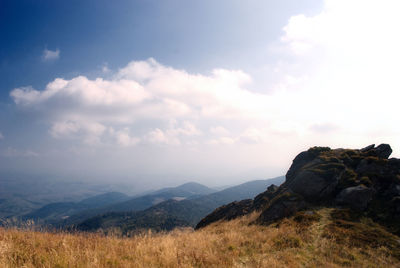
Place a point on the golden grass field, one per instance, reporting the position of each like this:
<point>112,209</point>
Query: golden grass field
<point>230,244</point>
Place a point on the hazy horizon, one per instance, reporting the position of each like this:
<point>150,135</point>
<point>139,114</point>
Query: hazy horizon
<point>159,93</point>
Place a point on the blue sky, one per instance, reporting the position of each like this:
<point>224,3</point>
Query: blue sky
<point>194,35</point>
<point>162,92</point>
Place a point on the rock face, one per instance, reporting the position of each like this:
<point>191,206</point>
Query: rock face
<point>356,197</point>
<point>364,180</point>
<point>285,205</point>
<point>262,199</point>
<point>227,212</point>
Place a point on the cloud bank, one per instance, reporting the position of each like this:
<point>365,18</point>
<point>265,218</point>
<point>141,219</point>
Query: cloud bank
<point>144,102</point>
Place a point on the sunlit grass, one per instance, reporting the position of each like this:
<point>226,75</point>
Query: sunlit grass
<point>231,244</point>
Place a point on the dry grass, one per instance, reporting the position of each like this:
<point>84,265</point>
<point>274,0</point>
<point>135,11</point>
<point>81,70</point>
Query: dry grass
<point>294,243</point>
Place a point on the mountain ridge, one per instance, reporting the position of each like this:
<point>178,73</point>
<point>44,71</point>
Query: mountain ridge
<point>186,212</point>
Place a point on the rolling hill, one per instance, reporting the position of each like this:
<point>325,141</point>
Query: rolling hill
<point>67,213</point>
<point>23,195</point>
<point>54,212</point>
<point>172,213</point>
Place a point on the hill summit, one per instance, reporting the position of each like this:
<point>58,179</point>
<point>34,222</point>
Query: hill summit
<point>356,182</point>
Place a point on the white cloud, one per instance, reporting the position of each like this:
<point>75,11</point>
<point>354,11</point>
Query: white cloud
<point>60,129</point>
<point>221,141</point>
<point>187,129</point>
<point>143,91</point>
<point>158,136</point>
<point>219,131</point>
<point>89,132</point>
<point>124,138</point>
<point>174,134</point>
<point>254,135</point>
<point>343,70</point>
<point>105,69</point>
<point>50,55</point>
<point>81,92</point>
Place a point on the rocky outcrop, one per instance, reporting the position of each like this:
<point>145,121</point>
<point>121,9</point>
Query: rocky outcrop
<point>364,180</point>
<point>264,198</point>
<point>227,212</point>
<point>284,205</point>
<point>382,151</point>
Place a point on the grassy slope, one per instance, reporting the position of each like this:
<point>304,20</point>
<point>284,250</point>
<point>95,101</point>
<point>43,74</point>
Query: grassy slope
<point>316,241</point>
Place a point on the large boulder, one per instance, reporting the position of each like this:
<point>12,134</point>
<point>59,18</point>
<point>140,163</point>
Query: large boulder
<point>382,151</point>
<point>396,204</point>
<point>356,197</point>
<point>302,159</point>
<point>317,178</point>
<point>315,185</point>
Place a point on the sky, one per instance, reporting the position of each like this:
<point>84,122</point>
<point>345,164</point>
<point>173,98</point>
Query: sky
<point>157,93</point>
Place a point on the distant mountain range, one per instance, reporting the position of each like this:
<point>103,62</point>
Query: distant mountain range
<point>162,209</point>
<point>55,212</point>
<point>22,195</point>
<point>174,213</point>
<point>67,213</point>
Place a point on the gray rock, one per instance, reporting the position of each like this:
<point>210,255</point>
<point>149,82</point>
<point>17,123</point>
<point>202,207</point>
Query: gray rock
<point>396,189</point>
<point>393,191</point>
<point>362,167</point>
<point>356,197</point>
<point>227,212</point>
<point>314,186</point>
<point>262,199</point>
<point>285,206</point>
<point>394,165</point>
<point>396,204</point>
<point>309,212</point>
<point>369,147</point>
<point>302,159</point>
<point>272,188</point>
<point>383,151</point>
